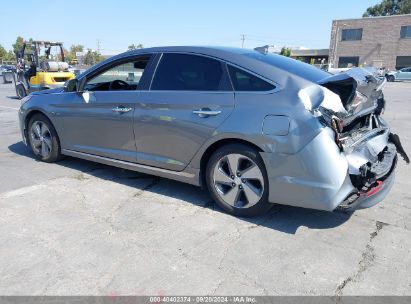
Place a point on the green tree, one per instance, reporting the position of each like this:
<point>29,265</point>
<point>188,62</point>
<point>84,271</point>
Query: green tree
<point>18,44</point>
<point>389,7</point>
<point>3,52</point>
<point>285,51</point>
<point>92,57</point>
<point>10,56</point>
<point>135,47</point>
<point>6,55</point>
<point>70,55</point>
<point>76,48</point>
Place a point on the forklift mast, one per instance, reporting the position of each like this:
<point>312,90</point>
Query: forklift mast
<point>36,48</point>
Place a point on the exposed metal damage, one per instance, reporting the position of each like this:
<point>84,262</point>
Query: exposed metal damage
<point>354,111</point>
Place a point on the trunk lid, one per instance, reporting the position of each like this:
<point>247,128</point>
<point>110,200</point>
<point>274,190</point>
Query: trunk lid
<point>360,91</point>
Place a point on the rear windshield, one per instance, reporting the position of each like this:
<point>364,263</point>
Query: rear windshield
<point>296,67</point>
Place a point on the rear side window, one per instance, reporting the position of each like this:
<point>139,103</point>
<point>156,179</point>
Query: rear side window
<point>185,72</point>
<point>243,81</point>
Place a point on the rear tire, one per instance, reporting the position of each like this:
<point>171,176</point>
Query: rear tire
<point>21,91</point>
<point>43,139</point>
<point>237,180</point>
<point>4,78</point>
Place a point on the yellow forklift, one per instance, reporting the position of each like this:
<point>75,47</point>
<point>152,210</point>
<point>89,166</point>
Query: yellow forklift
<point>37,70</point>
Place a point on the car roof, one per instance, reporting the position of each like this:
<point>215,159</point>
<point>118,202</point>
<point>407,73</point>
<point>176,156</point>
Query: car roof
<point>274,67</point>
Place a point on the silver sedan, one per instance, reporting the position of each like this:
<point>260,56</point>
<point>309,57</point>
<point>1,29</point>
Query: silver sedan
<point>253,128</point>
<point>403,74</point>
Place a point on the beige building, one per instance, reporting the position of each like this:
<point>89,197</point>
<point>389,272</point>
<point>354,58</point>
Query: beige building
<point>377,41</point>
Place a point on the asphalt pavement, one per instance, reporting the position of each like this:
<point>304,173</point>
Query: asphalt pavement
<point>81,228</point>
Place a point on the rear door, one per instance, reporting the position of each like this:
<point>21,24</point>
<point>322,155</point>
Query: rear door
<point>100,120</point>
<point>189,97</point>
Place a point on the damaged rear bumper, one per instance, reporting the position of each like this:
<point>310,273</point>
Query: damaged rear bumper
<point>376,192</point>
<point>350,164</point>
<point>372,158</point>
<point>321,176</point>
<point>373,196</point>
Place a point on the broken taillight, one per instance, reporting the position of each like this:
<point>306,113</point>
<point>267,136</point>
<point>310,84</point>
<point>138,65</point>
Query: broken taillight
<point>337,124</point>
<point>373,190</point>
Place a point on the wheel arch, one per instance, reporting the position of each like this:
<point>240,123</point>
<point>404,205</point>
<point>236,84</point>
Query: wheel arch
<point>30,114</point>
<point>390,76</point>
<point>214,147</point>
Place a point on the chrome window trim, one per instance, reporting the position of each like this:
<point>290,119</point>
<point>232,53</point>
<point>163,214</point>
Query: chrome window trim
<point>111,64</point>
<point>185,91</point>
<point>276,89</point>
<point>155,70</point>
<point>187,53</point>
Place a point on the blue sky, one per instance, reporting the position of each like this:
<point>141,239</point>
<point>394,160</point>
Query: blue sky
<point>120,23</point>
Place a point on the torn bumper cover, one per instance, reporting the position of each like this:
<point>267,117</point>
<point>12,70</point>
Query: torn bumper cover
<point>351,163</point>
<point>322,177</point>
<point>371,168</point>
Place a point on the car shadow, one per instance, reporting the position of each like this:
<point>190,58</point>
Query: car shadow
<point>282,218</point>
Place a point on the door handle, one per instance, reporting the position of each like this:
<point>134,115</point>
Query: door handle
<point>206,112</point>
<point>121,109</point>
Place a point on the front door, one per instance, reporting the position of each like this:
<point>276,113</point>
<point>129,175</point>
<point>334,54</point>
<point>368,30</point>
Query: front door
<point>404,74</point>
<point>190,96</point>
<point>100,120</point>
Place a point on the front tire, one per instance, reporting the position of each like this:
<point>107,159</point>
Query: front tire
<point>43,139</point>
<point>237,180</point>
<point>390,78</point>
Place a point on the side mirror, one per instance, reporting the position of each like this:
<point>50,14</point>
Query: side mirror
<point>72,85</point>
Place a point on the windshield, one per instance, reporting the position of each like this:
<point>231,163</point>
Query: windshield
<point>296,67</point>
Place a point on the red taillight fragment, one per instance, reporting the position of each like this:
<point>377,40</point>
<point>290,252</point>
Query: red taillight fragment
<point>373,190</point>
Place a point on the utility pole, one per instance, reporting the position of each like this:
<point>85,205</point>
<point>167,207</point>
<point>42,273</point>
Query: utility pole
<point>242,40</point>
<point>98,46</point>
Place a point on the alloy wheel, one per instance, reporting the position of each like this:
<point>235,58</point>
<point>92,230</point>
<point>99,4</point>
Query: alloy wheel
<point>41,139</point>
<point>238,181</point>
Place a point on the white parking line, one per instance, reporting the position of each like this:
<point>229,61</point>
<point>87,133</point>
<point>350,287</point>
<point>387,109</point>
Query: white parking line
<point>11,108</point>
<point>22,191</point>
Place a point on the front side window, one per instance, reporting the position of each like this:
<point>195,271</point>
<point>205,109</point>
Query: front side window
<point>243,81</point>
<point>351,34</point>
<point>348,62</point>
<point>186,72</point>
<point>405,31</point>
<point>125,76</point>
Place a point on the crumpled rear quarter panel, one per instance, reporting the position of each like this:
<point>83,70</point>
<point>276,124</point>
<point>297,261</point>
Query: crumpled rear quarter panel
<point>315,177</point>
